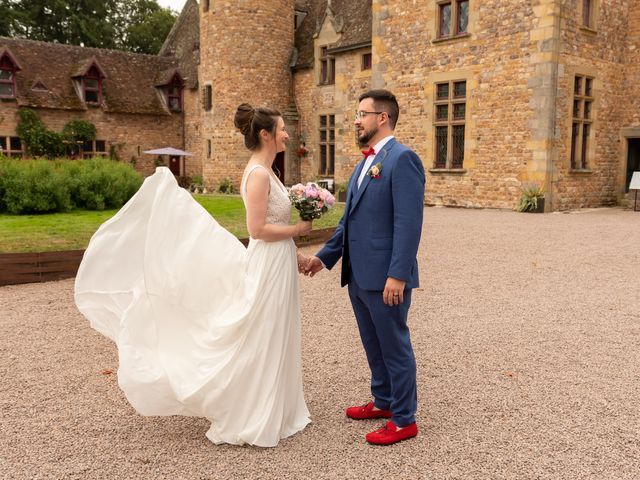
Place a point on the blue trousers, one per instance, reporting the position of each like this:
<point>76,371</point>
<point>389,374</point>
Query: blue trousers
<point>387,343</point>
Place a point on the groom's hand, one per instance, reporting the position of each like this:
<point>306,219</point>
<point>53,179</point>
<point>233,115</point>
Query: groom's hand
<point>314,265</point>
<point>393,293</point>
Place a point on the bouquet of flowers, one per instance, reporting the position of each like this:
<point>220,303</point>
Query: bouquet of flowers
<point>311,200</point>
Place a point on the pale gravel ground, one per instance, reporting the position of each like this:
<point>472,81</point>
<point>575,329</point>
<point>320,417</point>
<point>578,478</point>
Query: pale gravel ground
<point>526,331</point>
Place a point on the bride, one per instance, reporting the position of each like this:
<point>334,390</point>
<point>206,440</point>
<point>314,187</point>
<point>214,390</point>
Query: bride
<point>203,326</point>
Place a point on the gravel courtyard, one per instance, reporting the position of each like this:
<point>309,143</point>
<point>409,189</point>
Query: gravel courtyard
<point>526,330</point>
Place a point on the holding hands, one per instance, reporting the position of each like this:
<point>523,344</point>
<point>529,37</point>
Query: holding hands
<point>309,265</point>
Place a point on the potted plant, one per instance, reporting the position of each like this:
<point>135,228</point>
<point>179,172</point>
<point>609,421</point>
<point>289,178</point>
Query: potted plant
<point>197,184</point>
<point>341,190</point>
<point>532,199</point>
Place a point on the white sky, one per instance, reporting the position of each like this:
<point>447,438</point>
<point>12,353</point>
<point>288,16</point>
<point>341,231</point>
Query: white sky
<point>175,5</point>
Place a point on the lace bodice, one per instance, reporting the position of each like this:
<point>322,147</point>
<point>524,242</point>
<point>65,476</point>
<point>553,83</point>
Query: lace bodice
<point>279,206</point>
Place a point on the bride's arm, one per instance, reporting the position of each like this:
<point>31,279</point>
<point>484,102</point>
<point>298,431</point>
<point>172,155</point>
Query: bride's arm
<point>257,198</point>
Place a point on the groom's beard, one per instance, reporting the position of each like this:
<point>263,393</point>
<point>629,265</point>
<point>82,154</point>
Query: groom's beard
<point>363,140</point>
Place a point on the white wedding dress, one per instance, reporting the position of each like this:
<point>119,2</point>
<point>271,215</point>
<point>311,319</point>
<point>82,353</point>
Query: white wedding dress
<point>204,326</point>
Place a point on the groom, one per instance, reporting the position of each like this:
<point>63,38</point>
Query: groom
<point>378,239</point>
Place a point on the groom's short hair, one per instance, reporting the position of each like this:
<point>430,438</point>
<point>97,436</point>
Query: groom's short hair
<point>384,101</point>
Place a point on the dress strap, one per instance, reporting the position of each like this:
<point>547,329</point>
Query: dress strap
<point>243,186</point>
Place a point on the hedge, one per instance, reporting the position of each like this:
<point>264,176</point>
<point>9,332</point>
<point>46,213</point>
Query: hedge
<point>48,186</point>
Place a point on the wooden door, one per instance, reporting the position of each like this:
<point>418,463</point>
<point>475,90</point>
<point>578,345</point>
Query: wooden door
<point>174,166</point>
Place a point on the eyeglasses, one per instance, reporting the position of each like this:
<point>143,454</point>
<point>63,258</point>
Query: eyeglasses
<point>360,114</point>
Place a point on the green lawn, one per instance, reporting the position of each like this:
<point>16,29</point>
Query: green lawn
<point>72,231</point>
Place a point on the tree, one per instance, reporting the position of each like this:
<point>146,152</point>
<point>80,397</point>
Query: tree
<point>135,25</point>
<point>143,25</point>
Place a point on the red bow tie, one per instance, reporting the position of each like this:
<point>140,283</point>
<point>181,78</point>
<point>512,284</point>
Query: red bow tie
<point>366,153</point>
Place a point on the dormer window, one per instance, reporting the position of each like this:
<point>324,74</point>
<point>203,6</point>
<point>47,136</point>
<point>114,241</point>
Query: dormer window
<point>7,78</point>
<point>92,86</point>
<point>174,93</point>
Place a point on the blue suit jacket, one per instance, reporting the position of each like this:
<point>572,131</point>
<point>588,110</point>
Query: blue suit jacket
<point>379,233</point>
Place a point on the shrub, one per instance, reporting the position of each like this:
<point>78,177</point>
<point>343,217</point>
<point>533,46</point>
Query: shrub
<point>226,186</point>
<point>184,181</point>
<point>104,184</point>
<point>41,186</point>
<point>531,193</point>
<point>33,187</point>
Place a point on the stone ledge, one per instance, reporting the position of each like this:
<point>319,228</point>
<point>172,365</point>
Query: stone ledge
<point>589,30</point>
<point>580,171</point>
<point>448,171</point>
<point>450,39</point>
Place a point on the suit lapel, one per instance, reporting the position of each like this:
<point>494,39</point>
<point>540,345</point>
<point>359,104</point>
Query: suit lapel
<point>365,181</point>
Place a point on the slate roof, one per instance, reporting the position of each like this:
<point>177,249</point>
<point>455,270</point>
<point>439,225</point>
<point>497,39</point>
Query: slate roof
<point>129,86</point>
<point>353,19</point>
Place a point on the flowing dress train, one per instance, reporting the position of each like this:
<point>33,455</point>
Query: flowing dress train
<point>203,326</point>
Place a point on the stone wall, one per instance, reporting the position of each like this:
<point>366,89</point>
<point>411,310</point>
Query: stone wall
<point>245,50</point>
<point>598,52</point>
<point>128,134</point>
<point>495,60</point>
<point>341,100</point>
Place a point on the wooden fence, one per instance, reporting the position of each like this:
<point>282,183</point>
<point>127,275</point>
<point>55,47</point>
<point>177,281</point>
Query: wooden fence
<point>17,268</point>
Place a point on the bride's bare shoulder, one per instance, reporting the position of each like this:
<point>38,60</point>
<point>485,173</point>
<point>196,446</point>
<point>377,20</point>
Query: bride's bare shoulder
<point>256,178</point>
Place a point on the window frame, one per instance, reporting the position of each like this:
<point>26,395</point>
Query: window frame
<point>581,122</point>
<point>93,152</point>
<point>175,83</point>
<point>90,75</point>
<point>450,123</point>
<point>327,67</point>
<point>454,28</point>
<point>327,147</point>
<point>7,65</point>
<point>587,14</point>
<point>7,149</point>
<point>367,61</point>
<point>208,98</point>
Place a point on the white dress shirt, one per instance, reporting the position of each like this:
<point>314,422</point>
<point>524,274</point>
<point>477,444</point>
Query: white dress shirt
<point>369,161</point>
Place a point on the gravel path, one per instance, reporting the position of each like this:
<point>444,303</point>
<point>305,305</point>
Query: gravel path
<point>526,331</point>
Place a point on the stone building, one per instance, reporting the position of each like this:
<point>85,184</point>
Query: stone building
<point>495,95</point>
<point>135,101</point>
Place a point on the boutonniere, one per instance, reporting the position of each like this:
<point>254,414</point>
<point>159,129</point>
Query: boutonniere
<point>374,172</point>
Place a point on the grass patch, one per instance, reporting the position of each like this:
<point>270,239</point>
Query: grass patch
<point>73,230</point>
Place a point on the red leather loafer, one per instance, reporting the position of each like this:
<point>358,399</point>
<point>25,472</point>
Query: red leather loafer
<point>390,434</point>
<point>366,411</point>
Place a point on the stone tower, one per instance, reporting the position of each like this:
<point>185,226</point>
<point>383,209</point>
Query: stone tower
<point>245,51</point>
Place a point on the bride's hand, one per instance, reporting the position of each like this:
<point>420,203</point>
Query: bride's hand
<point>303,227</point>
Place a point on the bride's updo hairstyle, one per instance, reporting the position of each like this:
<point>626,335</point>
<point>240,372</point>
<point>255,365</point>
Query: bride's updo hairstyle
<point>250,121</point>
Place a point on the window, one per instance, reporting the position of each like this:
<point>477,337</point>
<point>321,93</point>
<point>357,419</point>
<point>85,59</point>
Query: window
<point>298,18</point>
<point>450,113</point>
<point>208,148</point>
<point>92,86</point>
<point>7,78</point>
<point>582,119</point>
<point>327,68</point>
<point>94,148</point>
<point>174,94</point>
<point>327,144</point>
<point>205,5</point>
<point>11,146</point>
<point>208,99</point>
<point>453,18</point>
<point>587,13</point>
<point>366,61</point>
